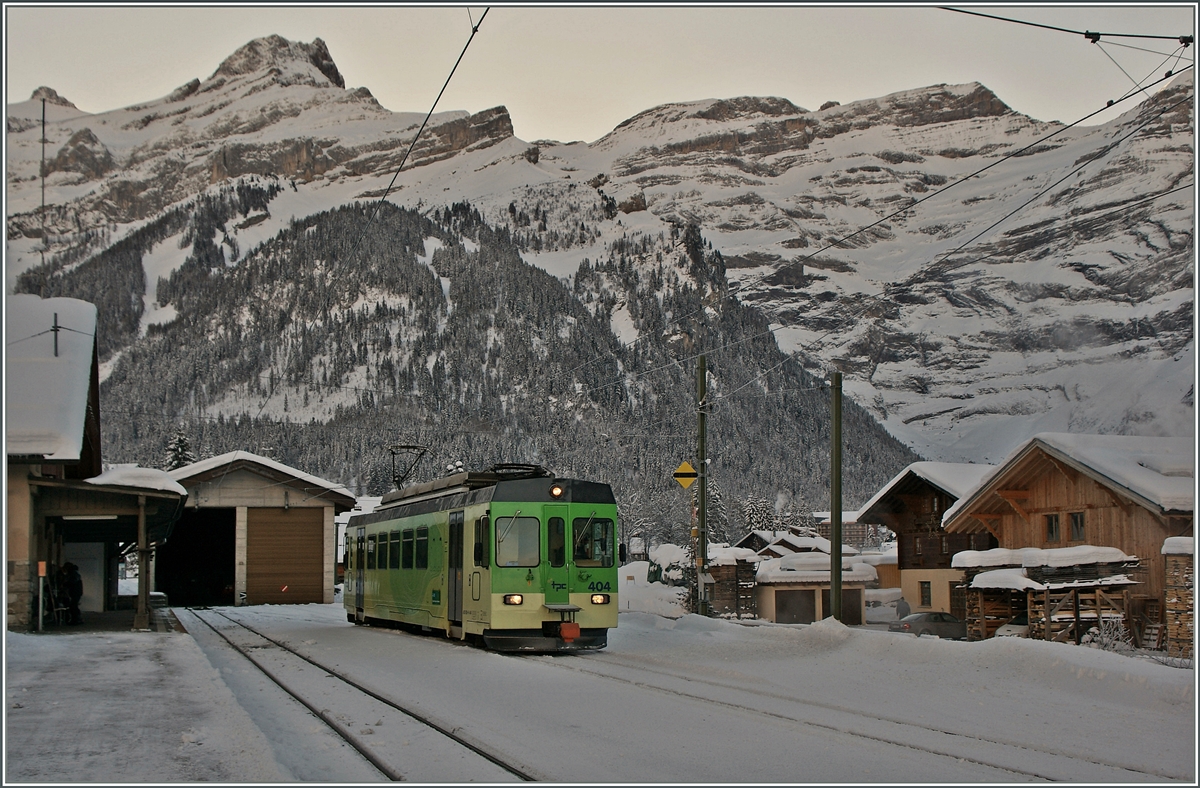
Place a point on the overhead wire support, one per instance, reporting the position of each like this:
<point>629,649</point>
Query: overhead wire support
<point>1185,40</point>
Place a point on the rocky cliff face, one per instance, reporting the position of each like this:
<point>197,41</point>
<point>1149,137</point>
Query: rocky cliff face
<point>275,107</point>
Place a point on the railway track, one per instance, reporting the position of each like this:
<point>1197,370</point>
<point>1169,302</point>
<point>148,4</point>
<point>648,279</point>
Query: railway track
<point>1015,757</point>
<point>410,746</point>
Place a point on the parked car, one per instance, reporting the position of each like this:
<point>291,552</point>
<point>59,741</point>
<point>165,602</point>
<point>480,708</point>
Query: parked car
<point>943,625</point>
<point>1017,627</point>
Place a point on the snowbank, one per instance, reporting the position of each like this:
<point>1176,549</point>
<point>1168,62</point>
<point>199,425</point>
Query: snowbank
<point>635,594</point>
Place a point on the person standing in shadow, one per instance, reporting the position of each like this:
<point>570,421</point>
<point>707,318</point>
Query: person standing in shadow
<point>74,589</point>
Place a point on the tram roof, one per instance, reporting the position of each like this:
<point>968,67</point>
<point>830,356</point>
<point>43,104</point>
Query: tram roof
<point>469,480</point>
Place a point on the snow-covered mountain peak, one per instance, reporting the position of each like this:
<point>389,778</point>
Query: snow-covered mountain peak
<point>923,106</point>
<point>293,62</point>
<point>51,96</point>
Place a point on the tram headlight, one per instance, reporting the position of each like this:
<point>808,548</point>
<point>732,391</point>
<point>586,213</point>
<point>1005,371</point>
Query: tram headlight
<point>557,490</point>
<point>599,599</point>
<point>513,599</point>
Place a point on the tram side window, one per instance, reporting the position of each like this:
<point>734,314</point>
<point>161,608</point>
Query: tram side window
<point>481,542</point>
<point>422,556</point>
<point>557,541</point>
<point>394,551</point>
<point>517,541</point>
<point>371,551</point>
<point>406,560</point>
<point>381,557</point>
<point>593,541</point>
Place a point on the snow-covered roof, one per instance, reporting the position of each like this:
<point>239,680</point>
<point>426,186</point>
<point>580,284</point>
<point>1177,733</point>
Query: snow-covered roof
<point>803,544</point>
<point>142,478</point>
<point>880,559</point>
<point>812,568</point>
<point>1036,556</point>
<point>1177,545</point>
<point>668,554</point>
<point>46,396</point>
<point>826,518</point>
<point>363,505</point>
<point>1016,580</point>
<point>214,463</point>
<point>724,555</point>
<point>1158,472</point>
<point>952,478</point>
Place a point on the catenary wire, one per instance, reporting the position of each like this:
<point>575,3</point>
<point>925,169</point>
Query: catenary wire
<point>417,136</point>
<point>840,241</point>
<point>1044,191</point>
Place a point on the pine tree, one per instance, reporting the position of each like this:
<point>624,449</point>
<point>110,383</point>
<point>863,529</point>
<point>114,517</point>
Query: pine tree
<point>179,451</point>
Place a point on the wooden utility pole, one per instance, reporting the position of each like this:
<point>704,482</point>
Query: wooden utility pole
<point>141,619</point>
<point>45,240</point>
<point>835,497</point>
<point>702,491</point>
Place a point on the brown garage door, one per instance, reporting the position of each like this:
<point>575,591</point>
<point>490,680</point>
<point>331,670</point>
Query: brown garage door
<point>795,606</point>
<point>285,556</point>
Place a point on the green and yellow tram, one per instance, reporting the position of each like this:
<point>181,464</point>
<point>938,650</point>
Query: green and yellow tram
<point>511,556</point>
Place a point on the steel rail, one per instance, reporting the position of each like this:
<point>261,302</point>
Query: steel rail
<point>517,771</point>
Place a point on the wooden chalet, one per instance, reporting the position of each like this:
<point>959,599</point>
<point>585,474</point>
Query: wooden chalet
<point>912,505</point>
<point>758,539</point>
<point>1063,490</point>
<point>733,590</point>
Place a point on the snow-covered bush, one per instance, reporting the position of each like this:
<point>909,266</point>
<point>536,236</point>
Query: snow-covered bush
<point>669,564</point>
<point>1111,635</point>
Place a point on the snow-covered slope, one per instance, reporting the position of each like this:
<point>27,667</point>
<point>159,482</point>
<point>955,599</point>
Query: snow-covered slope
<point>1053,291</point>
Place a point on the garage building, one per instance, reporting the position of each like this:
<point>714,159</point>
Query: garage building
<point>254,531</point>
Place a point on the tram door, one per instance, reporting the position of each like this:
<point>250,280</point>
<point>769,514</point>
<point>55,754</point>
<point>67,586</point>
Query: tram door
<point>556,553</point>
<point>360,561</point>
<point>454,595</point>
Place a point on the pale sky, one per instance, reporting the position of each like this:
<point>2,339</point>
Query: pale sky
<point>575,72</point>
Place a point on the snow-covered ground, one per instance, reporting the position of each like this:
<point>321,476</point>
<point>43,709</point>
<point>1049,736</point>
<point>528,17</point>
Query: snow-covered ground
<point>672,699</point>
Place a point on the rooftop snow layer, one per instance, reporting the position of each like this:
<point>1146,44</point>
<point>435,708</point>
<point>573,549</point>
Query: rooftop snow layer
<point>143,478</point>
<point>1036,556</point>
<point>46,395</point>
<point>1178,545</point>
<point>212,463</point>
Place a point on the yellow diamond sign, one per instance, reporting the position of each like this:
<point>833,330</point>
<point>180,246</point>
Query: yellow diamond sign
<point>685,474</point>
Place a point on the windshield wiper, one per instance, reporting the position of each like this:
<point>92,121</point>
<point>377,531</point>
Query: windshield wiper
<point>584,532</point>
<point>511,522</point>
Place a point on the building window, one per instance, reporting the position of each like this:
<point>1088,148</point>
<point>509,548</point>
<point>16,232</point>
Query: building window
<point>1077,533</point>
<point>1052,533</point>
<point>945,545</point>
<point>926,593</point>
<point>917,544</point>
